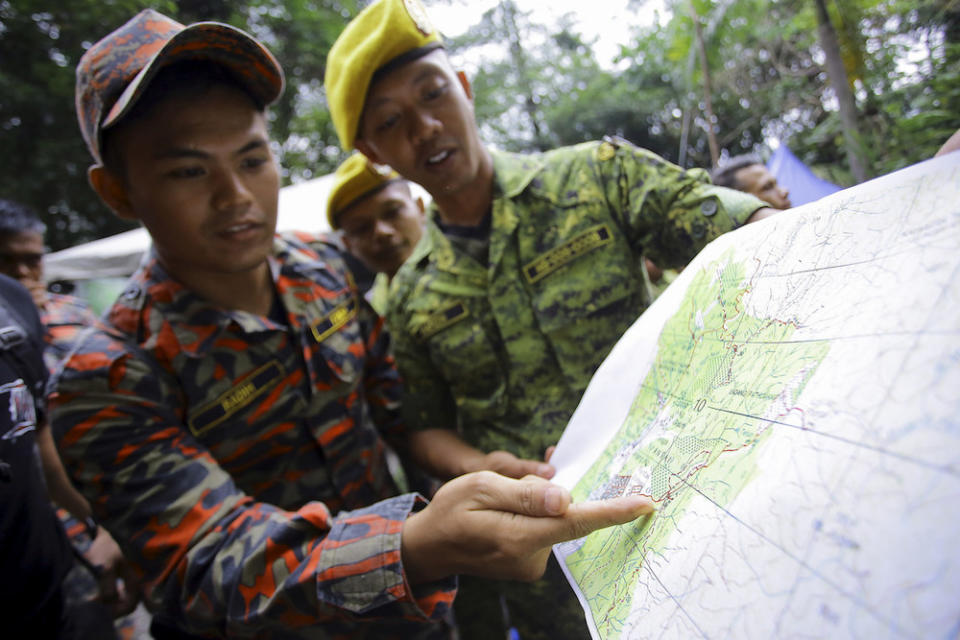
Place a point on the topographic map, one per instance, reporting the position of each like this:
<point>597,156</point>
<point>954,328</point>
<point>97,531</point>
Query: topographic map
<point>792,404</point>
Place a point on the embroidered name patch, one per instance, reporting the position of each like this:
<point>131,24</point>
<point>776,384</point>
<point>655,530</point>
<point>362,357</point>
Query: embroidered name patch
<point>555,258</point>
<point>443,319</point>
<point>330,323</point>
<point>213,413</point>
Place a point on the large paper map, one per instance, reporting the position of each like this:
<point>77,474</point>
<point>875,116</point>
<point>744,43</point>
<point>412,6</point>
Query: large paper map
<point>792,404</point>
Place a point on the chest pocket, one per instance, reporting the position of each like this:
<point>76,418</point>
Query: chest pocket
<point>235,398</point>
<point>337,345</point>
<point>454,334</point>
<point>585,293</point>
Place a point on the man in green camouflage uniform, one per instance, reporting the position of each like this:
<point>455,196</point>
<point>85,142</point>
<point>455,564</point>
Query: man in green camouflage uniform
<point>532,268</point>
<point>505,346</point>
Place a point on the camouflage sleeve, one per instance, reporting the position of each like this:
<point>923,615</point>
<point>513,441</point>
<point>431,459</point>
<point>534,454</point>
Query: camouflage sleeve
<point>214,561</point>
<point>427,401</point>
<point>670,213</point>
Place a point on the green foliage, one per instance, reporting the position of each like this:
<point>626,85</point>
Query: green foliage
<point>510,91</point>
<point>45,161</point>
<point>768,80</point>
<point>641,104</point>
<point>536,85</point>
<point>300,33</point>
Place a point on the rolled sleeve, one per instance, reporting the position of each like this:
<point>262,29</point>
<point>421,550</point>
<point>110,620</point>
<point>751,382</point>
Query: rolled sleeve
<point>734,206</point>
<point>670,213</point>
<point>372,536</point>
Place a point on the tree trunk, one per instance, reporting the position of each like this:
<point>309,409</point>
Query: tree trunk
<point>707,87</point>
<point>523,78</point>
<point>841,86</point>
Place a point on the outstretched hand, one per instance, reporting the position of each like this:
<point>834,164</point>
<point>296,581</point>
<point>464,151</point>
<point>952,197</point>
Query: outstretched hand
<point>487,525</point>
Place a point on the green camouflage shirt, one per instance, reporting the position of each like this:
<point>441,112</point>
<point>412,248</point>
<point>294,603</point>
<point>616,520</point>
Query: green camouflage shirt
<point>503,351</point>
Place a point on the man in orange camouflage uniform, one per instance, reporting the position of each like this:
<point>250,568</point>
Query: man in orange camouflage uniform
<point>228,422</point>
<point>21,257</point>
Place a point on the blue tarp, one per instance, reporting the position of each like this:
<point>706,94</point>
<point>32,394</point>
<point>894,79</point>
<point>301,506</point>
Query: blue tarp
<point>791,173</point>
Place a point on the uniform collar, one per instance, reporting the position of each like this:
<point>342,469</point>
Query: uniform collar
<point>512,174</point>
<point>163,314</point>
<point>437,248</point>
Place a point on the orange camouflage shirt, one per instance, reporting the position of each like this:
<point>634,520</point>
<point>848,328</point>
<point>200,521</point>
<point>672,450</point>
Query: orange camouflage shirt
<point>63,318</point>
<point>239,459</point>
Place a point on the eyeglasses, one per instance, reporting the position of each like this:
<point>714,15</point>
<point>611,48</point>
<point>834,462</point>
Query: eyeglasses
<point>11,261</point>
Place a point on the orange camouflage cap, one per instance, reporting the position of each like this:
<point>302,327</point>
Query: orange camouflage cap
<point>114,73</point>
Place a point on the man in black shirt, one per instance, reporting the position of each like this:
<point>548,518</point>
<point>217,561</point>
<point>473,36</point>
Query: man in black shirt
<point>34,552</point>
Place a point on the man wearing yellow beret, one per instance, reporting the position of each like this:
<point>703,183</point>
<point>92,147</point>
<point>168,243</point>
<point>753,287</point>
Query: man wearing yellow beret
<point>531,268</point>
<point>379,218</point>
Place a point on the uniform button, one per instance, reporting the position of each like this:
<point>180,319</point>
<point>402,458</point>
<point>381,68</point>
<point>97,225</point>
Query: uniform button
<point>606,152</point>
<point>708,207</point>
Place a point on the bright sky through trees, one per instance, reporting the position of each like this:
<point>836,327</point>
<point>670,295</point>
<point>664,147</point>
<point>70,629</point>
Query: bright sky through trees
<point>609,21</point>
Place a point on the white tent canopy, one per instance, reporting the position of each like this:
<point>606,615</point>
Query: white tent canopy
<point>301,206</point>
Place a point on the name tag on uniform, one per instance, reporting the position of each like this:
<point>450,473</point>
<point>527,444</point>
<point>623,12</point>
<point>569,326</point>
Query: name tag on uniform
<point>441,320</point>
<point>213,413</point>
<point>330,323</point>
<point>571,250</point>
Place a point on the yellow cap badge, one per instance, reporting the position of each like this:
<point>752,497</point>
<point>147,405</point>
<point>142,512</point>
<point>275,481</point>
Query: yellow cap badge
<point>419,16</point>
<point>606,151</point>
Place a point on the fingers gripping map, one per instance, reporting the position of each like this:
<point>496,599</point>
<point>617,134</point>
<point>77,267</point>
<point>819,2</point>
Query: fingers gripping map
<point>792,404</point>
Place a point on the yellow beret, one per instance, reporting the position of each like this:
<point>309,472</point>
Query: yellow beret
<point>385,34</point>
<point>355,178</point>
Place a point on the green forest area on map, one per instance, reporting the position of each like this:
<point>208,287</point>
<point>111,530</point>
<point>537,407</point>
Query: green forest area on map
<point>721,380</point>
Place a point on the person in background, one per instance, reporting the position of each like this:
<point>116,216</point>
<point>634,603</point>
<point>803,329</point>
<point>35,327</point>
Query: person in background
<point>35,555</point>
<point>531,269</point>
<point>21,257</point>
<point>227,421</point>
<point>380,222</point>
<point>748,174</point>
<point>62,316</point>
<point>379,218</point>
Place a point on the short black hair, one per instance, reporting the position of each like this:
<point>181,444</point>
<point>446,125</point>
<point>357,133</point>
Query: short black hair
<point>19,218</point>
<point>725,176</point>
<point>187,78</point>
